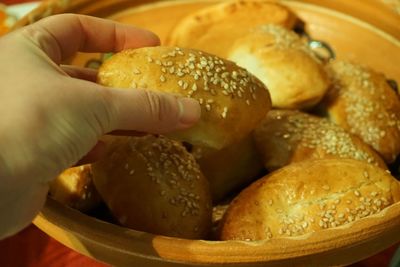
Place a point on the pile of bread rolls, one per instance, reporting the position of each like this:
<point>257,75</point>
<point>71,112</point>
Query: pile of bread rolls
<point>287,143</point>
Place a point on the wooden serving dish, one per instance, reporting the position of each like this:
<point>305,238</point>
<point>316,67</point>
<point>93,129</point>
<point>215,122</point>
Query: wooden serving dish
<point>351,38</point>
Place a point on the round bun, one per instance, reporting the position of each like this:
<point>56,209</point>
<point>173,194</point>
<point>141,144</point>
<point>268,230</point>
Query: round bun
<point>230,168</point>
<point>295,77</point>
<point>217,215</point>
<point>233,101</point>
<point>74,188</point>
<point>287,136</point>
<point>362,102</point>
<point>213,29</point>
<point>153,184</point>
<point>309,196</point>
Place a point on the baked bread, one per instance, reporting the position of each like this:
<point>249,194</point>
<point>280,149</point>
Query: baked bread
<point>213,29</point>
<point>362,102</point>
<point>74,188</point>
<point>217,215</point>
<point>230,168</point>
<point>288,136</point>
<point>295,77</point>
<point>153,184</point>
<point>309,196</point>
<point>233,101</point>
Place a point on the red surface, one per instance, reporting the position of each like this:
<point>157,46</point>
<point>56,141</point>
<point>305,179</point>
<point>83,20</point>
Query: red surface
<point>33,248</point>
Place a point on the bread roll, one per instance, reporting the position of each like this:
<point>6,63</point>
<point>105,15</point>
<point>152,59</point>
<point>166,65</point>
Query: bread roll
<point>230,168</point>
<point>362,102</point>
<point>153,184</point>
<point>295,77</point>
<point>233,101</point>
<point>309,196</point>
<point>214,29</point>
<point>288,136</point>
<point>217,215</point>
<point>74,188</point>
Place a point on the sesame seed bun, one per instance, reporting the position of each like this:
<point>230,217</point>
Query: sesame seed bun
<point>288,136</point>
<point>74,188</point>
<point>309,196</point>
<point>153,184</point>
<point>214,29</point>
<point>233,101</point>
<point>230,168</point>
<point>362,102</point>
<point>295,77</point>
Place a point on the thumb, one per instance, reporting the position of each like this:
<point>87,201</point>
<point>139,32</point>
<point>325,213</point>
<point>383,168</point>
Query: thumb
<point>149,111</point>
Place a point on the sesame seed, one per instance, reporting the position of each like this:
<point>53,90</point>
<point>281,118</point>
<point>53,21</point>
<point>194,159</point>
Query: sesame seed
<point>224,112</point>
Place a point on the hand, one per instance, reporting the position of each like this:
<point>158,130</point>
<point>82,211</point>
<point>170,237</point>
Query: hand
<point>53,115</point>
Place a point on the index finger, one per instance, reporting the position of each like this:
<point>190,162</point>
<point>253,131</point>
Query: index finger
<point>61,36</point>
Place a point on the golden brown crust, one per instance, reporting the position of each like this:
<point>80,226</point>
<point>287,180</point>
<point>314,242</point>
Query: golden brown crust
<point>217,215</point>
<point>288,136</point>
<point>233,101</point>
<point>309,196</point>
<point>215,28</point>
<point>153,184</point>
<point>295,77</point>
<point>74,187</point>
<point>362,102</point>
<point>230,168</point>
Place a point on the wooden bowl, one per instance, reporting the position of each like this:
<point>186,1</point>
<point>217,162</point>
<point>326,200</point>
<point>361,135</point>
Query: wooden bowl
<point>351,38</point>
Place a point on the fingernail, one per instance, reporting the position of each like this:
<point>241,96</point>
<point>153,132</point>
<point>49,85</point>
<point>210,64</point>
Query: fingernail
<point>189,110</point>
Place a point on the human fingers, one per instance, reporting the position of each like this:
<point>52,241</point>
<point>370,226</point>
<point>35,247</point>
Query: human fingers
<point>80,73</point>
<point>137,110</point>
<point>61,36</point>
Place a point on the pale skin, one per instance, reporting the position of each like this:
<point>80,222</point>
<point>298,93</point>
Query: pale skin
<point>53,115</point>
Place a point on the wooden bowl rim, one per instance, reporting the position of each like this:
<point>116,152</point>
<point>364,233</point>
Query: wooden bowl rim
<point>157,247</point>
<point>58,6</point>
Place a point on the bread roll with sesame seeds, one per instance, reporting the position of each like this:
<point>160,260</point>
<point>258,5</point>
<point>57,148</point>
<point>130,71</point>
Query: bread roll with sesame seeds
<point>213,29</point>
<point>233,101</point>
<point>153,184</point>
<point>309,196</point>
<point>295,77</point>
<point>362,102</point>
<point>230,168</point>
<point>288,136</point>
<point>74,188</point>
